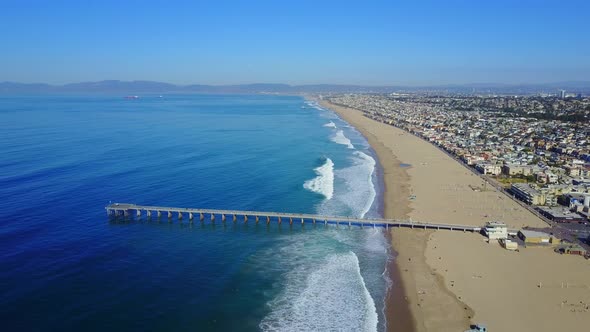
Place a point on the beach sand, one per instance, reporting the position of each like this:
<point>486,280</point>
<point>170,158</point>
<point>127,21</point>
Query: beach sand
<point>449,280</point>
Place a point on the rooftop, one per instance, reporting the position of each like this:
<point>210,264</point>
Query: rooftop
<point>529,233</point>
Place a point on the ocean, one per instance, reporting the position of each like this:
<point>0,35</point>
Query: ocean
<point>64,266</point>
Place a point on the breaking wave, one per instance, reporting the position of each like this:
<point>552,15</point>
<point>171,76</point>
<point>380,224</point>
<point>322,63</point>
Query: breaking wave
<point>341,139</point>
<point>323,183</point>
<point>357,193</point>
<point>330,125</point>
<point>333,297</point>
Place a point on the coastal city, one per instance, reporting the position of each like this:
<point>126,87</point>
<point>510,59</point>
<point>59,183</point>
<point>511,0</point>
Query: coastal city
<point>263,166</point>
<point>532,147</point>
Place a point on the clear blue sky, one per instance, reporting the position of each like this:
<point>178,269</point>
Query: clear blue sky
<point>298,42</point>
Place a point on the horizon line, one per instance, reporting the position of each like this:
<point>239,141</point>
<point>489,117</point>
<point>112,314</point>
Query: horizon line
<point>497,84</point>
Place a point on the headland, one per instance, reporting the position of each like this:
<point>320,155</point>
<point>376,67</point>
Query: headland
<point>445,281</point>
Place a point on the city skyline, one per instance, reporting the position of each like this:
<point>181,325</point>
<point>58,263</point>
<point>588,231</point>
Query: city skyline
<point>374,44</point>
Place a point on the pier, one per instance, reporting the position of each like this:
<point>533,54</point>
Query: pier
<point>127,210</point>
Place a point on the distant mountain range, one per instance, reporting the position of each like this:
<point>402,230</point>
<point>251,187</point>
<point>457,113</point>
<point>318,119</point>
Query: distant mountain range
<point>151,87</point>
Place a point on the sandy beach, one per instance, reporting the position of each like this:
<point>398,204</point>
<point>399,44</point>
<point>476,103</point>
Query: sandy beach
<point>450,280</point>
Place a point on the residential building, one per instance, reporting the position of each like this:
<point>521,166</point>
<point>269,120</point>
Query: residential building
<point>490,169</point>
<point>527,194</point>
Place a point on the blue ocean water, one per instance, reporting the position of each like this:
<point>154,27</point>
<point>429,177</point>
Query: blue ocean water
<point>64,266</point>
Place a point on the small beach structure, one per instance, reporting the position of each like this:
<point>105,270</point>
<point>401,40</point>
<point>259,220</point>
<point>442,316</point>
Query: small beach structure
<point>508,244</point>
<point>536,237</point>
<point>496,230</point>
<point>571,249</point>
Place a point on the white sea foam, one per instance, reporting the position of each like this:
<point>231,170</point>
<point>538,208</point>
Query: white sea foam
<point>330,125</point>
<point>359,179</point>
<point>341,139</point>
<point>354,190</point>
<point>323,183</point>
<point>334,297</point>
<point>376,243</point>
<point>314,104</point>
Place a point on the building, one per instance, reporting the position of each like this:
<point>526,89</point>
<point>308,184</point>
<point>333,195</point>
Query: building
<point>527,194</point>
<point>509,244</point>
<point>535,237</point>
<point>580,181</point>
<point>487,168</point>
<point>562,94</point>
<point>515,169</point>
<point>560,215</point>
<point>572,199</point>
<point>533,196</point>
<point>571,249</point>
<point>496,230</point>
<point>470,160</point>
<point>573,170</point>
<point>551,178</point>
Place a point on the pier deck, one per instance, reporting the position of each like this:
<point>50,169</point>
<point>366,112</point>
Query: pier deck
<point>126,210</point>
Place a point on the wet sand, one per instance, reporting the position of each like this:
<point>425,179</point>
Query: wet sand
<point>445,281</point>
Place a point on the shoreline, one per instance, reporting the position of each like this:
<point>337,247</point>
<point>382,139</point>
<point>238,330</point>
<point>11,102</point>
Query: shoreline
<point>473,279</point>
<point>417,291</point>
<point>395,181</point>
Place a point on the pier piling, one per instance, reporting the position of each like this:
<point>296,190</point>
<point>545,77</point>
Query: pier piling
<point>127,210</point>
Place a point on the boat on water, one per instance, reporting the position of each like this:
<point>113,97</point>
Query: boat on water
<point>131,97</point>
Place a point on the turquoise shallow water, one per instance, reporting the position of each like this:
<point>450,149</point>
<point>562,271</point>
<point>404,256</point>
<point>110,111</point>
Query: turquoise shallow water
<point>64,266</point>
